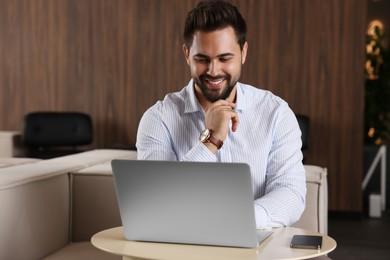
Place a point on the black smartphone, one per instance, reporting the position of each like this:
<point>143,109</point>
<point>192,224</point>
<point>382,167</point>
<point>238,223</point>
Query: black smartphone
<point>306,242</point>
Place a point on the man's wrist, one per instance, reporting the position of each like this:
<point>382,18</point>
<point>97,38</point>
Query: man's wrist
<point>207,137</point>
<point>215,141</point>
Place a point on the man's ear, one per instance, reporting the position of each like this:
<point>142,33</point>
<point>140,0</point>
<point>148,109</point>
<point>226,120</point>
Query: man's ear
<point>186,54</point>
<point>244,52</point>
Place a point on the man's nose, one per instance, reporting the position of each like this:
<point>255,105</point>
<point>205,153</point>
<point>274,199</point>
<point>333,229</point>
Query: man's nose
<point>214,68</point>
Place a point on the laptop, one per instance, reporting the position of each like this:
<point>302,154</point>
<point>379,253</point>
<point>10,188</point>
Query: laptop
<point>198,203</point>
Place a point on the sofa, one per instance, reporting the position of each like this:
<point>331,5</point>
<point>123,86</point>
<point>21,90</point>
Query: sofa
<point>40,203</point>
<point>51,208</point>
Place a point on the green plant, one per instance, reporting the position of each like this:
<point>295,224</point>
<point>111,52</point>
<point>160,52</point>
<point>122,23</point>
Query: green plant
<point>377,90</point>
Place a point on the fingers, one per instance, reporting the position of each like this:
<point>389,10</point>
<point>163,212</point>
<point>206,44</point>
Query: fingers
<point>218,117</point>
<point>235,121</point>
<point>223,103</point>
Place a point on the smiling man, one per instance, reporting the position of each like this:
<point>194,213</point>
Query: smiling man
<point>215,118</point>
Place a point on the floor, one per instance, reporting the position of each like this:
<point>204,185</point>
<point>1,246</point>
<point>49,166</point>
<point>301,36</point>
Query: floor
<point>360,237</point>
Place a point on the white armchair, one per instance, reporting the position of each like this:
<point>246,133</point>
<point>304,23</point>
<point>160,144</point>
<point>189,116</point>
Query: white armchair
<point>315,215</point>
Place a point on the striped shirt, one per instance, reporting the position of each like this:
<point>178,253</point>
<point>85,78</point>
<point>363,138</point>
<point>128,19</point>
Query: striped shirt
<point>268,138</point>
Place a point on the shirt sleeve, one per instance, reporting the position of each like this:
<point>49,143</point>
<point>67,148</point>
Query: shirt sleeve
<point>155,143</point>
<point>285,192</point>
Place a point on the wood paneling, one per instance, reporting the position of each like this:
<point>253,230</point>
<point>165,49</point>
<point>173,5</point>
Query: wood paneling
<point>114,58</point>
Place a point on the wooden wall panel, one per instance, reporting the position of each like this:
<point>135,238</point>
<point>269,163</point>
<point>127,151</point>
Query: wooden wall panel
<point>114,58</point>
<point>311,54</point>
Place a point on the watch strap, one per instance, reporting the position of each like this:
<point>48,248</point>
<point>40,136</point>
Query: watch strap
<point>215,141</point>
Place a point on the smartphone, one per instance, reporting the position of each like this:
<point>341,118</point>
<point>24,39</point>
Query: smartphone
<point>306,242</point>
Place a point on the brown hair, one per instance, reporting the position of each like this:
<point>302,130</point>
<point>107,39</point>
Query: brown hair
<point>211,15</point>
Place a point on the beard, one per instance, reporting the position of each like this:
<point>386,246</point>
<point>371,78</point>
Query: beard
<point>214,95</point>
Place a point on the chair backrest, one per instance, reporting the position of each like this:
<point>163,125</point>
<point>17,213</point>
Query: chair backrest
<point>303,122</point>
<point>315,215</point>
<point>48,129</point>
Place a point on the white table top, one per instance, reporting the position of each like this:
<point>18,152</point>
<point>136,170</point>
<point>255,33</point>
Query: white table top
<point>275,247</point>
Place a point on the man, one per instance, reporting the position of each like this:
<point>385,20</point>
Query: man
<point>236,122</point>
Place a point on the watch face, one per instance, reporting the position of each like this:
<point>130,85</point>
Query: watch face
<point>204,135</point>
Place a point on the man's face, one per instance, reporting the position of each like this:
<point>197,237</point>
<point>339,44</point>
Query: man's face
<point>215,61</point>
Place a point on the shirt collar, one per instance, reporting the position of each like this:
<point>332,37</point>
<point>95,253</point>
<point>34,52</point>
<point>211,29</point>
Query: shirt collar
<point>192,105</point>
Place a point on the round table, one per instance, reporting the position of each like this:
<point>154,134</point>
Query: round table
<point>277,246</point>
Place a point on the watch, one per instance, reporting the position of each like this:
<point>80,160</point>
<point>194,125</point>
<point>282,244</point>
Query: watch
<point>206,136</point>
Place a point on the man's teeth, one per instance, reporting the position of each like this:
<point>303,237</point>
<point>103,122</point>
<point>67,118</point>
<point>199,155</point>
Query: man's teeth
<point>216,82</point>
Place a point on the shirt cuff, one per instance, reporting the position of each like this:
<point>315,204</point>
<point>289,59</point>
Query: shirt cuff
<point>261,217</point>
<point>200,153</point>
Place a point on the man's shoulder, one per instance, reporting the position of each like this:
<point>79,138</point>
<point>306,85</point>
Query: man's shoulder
<point>171,101</point>
<point>259,95</point>
<point>175,98</point>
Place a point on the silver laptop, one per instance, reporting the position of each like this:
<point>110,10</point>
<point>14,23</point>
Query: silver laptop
<point>187,202</point>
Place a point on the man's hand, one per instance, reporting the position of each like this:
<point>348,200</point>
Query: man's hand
<point>218,116</point>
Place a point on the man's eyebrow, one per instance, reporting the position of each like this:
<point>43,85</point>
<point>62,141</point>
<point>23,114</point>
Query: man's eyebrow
<point>225,55</point>
<point>200,55</point>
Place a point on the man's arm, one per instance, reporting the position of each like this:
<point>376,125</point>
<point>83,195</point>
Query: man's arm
<point>154,141</point>
<point>162,137</point>
<point>284,199</point>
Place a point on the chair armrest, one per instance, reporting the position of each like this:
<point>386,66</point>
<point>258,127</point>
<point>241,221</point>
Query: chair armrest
<point>34,203</point>
<point>11,144</point>
<point>315,215</point>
